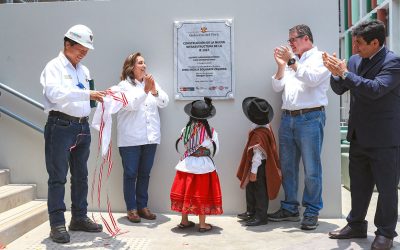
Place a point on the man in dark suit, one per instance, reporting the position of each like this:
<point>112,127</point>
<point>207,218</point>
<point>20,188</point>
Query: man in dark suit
<point>373,79</point>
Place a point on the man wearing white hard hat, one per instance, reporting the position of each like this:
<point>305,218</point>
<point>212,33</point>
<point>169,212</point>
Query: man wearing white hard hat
<point>67,98</point>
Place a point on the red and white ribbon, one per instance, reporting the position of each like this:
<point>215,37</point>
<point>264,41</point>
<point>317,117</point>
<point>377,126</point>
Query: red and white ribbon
<point>102,121</point>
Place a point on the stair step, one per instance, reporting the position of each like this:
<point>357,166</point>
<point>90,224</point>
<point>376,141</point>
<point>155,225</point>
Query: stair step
<point>4,177</point>
<point>14,195</point>
<point>17,221</point>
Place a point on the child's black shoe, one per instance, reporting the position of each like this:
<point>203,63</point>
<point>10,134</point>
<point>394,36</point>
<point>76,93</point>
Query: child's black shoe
<point>256,222</point>
<point>246,216</point>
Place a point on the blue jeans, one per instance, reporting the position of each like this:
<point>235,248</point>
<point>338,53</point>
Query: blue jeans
<point>67,145</point>
<point>137,162</point>
<point>302,136</point>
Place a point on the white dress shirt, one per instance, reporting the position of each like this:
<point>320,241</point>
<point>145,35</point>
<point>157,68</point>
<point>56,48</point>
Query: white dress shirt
<point>306,87</point>
<point>139,122</point>
<point>61,89</point>
<point>201,164</point>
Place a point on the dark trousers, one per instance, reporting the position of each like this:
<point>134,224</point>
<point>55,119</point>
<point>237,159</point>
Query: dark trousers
<point>67,146</point>
<point>257,196</point>
<point>137,162</point>
<point>369,167</point>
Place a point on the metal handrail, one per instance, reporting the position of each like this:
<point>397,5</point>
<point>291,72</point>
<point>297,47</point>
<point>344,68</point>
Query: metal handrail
<point>25,98</point>
<point>21,119</point>
<point>22,96</point>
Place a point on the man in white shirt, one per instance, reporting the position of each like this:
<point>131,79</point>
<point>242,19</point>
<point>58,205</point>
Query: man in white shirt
<point>66,93</point>
<point>304,81</point>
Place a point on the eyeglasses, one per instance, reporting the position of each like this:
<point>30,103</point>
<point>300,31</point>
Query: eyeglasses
<point>291,40</point>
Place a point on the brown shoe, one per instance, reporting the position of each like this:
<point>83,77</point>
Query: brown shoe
<point>133,216</point>
<point>381,243</point>
<point>145,213</point>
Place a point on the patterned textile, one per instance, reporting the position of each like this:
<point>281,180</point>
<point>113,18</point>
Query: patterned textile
<point>193,136</point>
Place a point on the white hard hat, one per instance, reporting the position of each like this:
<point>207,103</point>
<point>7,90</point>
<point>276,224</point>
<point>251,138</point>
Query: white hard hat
<point>81,34</point>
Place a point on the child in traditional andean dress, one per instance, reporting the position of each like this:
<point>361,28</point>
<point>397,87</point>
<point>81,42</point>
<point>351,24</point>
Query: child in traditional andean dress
<point>259,170</point>
<point>196,188</point>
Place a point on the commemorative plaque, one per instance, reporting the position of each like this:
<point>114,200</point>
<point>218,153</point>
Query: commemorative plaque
<point>203,60</point>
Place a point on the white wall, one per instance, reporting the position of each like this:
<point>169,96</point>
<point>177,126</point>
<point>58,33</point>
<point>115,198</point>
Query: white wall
<point>31,35</point>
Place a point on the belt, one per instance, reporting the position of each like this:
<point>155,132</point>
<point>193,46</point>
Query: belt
<point>302,111</point>
<point>66,117</point>
<point>201,152</point>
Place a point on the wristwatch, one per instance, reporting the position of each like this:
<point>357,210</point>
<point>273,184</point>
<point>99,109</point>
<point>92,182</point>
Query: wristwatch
<point>291,61</point>
<point>344,75</point>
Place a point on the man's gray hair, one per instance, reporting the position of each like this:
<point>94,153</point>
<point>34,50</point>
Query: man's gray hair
<point>302,30</point>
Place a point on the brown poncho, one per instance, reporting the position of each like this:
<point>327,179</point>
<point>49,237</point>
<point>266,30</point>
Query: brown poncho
<point>263,139</point>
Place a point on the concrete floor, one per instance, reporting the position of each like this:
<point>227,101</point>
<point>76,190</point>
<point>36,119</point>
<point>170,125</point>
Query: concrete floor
<point>227,233</point>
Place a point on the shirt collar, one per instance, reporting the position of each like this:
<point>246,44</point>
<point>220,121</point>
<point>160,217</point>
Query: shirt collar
<point>129,79</point>
<point>137,81</point>
<point>307,53</point>
<point>254,126</point>
<point>134,82</point>
<point>370,58</point>
<point>65,61</point>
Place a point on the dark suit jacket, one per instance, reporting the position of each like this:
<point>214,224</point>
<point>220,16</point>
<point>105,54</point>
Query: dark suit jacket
<point>374,117</point>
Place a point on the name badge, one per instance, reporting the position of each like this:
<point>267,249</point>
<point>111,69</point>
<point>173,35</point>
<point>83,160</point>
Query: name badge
<point>80,85</point>
<point>68,77</point>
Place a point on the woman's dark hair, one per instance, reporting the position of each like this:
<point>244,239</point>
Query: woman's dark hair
<point>129,64</point>
<point>370,30</point>
<point>207,127</point>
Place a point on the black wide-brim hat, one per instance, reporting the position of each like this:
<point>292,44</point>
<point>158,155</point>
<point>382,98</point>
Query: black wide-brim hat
<point>257,110</point>
<point>200,109</point>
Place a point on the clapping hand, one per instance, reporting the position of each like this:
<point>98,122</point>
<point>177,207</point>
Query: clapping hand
<point>335,65</point>
<point>149,84</point>
<point>282,55</point>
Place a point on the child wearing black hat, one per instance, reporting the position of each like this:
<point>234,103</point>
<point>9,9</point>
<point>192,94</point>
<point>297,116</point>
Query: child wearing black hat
<point>259,170</point>
<point>196,188</point>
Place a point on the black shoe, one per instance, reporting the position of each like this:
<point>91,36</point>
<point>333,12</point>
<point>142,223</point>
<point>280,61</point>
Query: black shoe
<point>85,224</point>
<point>349,233</point>
<point>59,234</point>
<point>246,216</point>
<point>309,222</point>
<point>284,215</point>
<point>256,222</point>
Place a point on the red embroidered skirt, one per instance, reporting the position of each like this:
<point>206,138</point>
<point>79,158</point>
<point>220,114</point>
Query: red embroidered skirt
<point>198,194</point>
